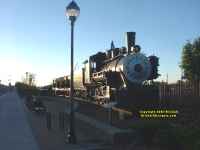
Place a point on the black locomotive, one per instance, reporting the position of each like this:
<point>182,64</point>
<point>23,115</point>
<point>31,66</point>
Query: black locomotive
<point>110,76</point>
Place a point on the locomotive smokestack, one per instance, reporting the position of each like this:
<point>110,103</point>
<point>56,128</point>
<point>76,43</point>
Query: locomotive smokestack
<point>130,40</point>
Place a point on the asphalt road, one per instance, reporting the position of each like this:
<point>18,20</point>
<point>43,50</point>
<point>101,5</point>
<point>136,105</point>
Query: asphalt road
<point>15,132</point>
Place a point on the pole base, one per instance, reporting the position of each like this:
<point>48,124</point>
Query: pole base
<point>71,137</point>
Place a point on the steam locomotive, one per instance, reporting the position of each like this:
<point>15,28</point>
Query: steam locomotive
<point>109,76</point>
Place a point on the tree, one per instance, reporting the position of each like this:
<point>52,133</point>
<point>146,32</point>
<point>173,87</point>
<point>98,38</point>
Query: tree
<point>155,64</point>
<point>29,79</point>
<point>196,58</point>
<point>187,61</point>
<point>190,63</point>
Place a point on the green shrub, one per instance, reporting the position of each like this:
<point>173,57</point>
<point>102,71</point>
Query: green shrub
<point>190,138</point>
<point>26,90</point>
<point>157,132</point>
<point>164,134</point>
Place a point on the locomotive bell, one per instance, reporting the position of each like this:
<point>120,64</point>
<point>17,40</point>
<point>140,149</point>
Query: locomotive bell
<point>136,49</point>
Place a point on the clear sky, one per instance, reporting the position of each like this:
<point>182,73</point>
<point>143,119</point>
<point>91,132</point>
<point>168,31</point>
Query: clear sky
<point>35,34</point>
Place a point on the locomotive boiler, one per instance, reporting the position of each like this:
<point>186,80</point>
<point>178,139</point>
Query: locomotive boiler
<point>108,75</point>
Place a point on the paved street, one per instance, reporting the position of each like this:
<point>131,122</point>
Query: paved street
<point>15,132</point>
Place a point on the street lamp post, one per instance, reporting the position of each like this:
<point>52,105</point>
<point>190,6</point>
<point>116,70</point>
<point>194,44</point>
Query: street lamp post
<point>72,11</point>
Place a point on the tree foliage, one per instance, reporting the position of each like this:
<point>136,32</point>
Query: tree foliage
<point>155,64</point>
<point>25,89</point>
<point>190,63</point>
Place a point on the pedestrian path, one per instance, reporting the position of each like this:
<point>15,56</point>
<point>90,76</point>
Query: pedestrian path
<point>15,132</point>
<point>108,132</point>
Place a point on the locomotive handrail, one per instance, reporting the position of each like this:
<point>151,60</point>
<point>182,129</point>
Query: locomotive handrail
<point>97,74</point>
<point>112,59</point>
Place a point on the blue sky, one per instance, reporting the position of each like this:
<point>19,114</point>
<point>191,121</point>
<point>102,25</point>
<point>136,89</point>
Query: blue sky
<point>35,34</point>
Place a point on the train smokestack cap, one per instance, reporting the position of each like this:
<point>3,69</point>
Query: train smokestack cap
<point>130,40</point>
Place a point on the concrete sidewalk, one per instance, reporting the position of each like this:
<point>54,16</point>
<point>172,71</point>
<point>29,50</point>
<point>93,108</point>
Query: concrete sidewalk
<point>89,128</point>
<point>15,132</point>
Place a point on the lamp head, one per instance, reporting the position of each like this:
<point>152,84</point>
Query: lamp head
<point>72,11</point>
